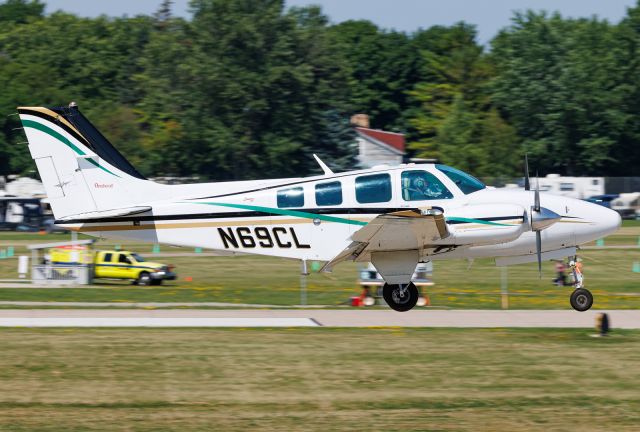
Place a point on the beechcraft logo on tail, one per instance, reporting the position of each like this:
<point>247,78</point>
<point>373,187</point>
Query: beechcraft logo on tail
<point>103,185</point>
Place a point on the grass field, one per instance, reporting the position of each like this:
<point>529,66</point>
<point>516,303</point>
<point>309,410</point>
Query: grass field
<point>318,379</point>
<point>275,281</point>
<point>262,280</point>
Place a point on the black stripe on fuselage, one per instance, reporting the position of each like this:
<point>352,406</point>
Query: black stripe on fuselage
<point>234,214</point>
<point>246,214</point>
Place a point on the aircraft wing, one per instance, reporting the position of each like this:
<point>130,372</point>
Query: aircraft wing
<point>403,230</point>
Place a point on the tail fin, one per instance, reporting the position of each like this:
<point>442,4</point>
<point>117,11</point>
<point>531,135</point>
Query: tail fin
<point>80,169</point>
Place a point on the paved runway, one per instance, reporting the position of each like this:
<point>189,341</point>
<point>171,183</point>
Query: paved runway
<point>623,319</point>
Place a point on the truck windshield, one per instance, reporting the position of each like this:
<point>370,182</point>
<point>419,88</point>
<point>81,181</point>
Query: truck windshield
<point>137,257</point>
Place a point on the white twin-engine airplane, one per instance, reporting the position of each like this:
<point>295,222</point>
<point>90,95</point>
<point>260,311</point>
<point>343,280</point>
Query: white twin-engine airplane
<point>394,217</point>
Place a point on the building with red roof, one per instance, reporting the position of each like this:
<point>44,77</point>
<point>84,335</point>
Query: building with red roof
<point>377,147</point>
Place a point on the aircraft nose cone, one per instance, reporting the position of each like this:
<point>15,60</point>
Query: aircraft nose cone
<point>603,222</point>
<point>607,221</point>
<point>612,221</point>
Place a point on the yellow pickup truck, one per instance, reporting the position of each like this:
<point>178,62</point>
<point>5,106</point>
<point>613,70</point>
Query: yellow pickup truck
<point>114,264</point>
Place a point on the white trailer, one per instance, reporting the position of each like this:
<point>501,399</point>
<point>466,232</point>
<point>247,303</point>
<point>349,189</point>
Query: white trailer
<point>627,204</point>
<point>572,187</point>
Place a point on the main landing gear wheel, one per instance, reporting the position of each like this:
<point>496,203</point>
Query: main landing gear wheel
<point>400,297</point>
<point>581,300</point>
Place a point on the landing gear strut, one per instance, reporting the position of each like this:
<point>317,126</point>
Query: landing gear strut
<point>400,297</point>
<point>581,299</point>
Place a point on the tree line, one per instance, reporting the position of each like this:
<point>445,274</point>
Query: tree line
<point>249,88</point>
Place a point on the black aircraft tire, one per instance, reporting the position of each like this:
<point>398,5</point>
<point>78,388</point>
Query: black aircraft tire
<point>581,300</point>
<point>400,297</point>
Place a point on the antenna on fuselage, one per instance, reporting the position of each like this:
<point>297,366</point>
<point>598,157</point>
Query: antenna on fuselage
<point>325,168</point>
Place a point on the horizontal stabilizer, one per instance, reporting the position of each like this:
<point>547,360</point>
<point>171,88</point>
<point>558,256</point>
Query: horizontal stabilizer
<point>108,213</point>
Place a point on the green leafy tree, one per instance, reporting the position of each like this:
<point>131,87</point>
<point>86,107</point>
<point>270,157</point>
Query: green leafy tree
<point>252,89</point>
<point>500,146</point>
<point>625,150</point>
<point>336,144</point>
<point>450,93</point>
<point>559,84</point>
<point>456,137</point>
<point>381,66</point>
<point>20,11</point>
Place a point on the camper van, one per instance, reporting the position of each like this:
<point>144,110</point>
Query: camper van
<point>627,204</point>
<point>21,214</point>
<point>572,187</point>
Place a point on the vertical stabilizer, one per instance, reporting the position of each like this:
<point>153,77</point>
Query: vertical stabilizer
<point>80,169</point>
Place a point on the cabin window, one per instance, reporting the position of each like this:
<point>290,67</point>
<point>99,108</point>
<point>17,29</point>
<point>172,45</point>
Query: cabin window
<point>467,183</point>
<point>293,197</point>
<point>566,187</point>
<point>107,257</point>
<point>329,193</point>
<point>122,258</point>
<point>418,185</point>
<point>374,188</point>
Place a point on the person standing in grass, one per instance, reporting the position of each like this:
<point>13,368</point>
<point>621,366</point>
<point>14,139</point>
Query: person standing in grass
<point>561,277</point>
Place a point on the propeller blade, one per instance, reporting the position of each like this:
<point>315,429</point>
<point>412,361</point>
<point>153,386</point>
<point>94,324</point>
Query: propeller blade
<point>536,196</point>
<point>539,252</point>
<point>527,184</point>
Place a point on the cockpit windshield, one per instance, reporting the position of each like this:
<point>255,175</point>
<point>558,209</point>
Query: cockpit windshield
<point>467,183</point>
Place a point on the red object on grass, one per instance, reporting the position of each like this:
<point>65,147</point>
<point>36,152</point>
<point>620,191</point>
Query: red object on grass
<point>356,301</point>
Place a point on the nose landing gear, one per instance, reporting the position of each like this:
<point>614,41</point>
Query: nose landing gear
<point>400,297</point>
<point>581,299</point>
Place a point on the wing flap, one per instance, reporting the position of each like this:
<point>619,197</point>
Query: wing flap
<point>404,230</point>
<point>407,229</point>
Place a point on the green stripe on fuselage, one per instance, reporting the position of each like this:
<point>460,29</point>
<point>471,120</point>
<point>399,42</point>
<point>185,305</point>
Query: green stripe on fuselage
<point>284,212</point>
<point>306,215</point>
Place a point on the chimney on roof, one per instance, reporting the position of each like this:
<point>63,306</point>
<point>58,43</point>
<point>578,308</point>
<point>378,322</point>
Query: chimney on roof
<point>361,120</point>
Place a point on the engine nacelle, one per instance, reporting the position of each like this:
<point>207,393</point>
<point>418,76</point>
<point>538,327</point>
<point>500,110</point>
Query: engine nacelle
<point>486,224</point>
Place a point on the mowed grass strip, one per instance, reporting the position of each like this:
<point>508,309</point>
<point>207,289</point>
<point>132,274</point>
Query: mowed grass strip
<point>318,379</point>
